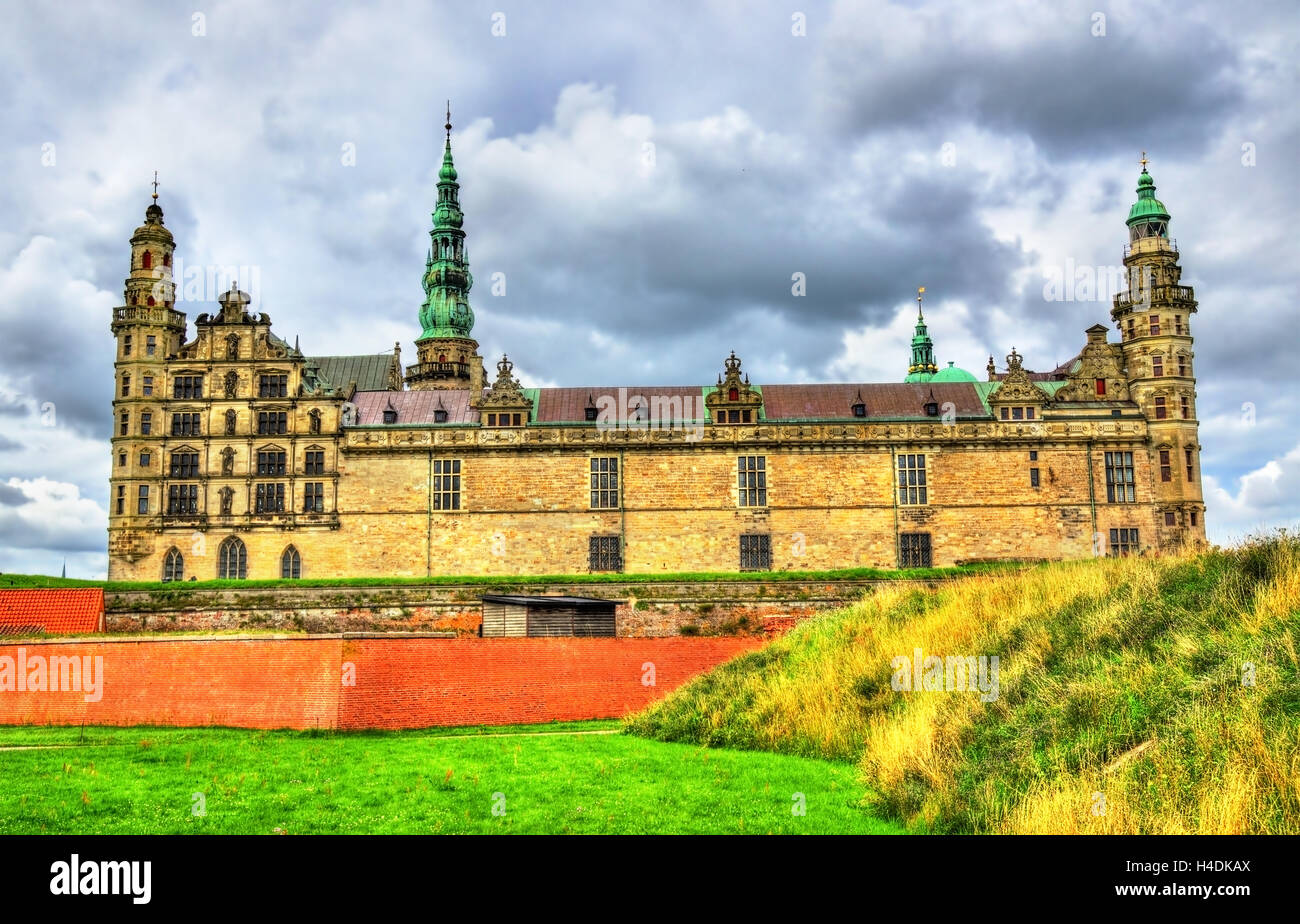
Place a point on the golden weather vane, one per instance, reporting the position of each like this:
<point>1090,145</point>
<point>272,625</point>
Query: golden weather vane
<point>155,186</point>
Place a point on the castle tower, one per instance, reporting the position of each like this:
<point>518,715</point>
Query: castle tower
<point>447,352</point>
<point>922,366</point>
<point>147,330</point>
<point>1154,321</point>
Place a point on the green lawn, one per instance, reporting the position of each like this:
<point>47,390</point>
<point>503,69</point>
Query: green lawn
<point>564,780</point>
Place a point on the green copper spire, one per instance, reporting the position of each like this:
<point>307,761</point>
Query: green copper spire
<point>447,280</point>
<point>922,366</point>
<point>1148,210</point>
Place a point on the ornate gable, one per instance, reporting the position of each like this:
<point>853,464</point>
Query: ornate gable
<point>1100,376</point>
<point>734,400</point>
<point>1015,387</point>
<point>506,394</point>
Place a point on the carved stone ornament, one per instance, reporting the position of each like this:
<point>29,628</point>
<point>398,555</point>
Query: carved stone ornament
<point>1016,387</point>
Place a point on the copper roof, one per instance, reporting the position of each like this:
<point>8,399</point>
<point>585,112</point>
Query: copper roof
<point>369,371</point>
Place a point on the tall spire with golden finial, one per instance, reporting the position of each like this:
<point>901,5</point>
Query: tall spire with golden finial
<point>155,186</point>
<point>922,365</point>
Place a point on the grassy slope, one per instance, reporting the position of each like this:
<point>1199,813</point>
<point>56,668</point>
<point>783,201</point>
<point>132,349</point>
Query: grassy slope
<point>844,574</point>
<point>1119,677</point>
<point>142,780</point>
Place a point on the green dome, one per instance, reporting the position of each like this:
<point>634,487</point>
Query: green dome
<point>953,374</point>
<point>919,377</point>
<point>1147,207</point>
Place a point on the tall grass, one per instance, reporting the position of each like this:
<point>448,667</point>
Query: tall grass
<point>1125,700</point>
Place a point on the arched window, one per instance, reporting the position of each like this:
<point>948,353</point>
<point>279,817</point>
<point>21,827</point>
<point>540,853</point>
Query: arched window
<point>173,565</point>
<point>151,301</point>
<point>291,564</point>
<point>232,559</point>
<point>167,259</point>
<point>146,260</point>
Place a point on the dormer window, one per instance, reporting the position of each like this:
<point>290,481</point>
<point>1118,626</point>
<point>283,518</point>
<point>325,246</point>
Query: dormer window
<point>590,413</point>
<point>733,394</point>
<point>932,409</point>
<point>859,410</point>
<point>390,416</point>
<point>439,416</point>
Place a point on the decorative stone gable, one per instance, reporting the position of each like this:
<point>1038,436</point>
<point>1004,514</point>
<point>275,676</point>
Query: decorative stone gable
<point>1015,387</point>
<point>506,394</point>
<point>734,400</point>
<point>1100,375</point>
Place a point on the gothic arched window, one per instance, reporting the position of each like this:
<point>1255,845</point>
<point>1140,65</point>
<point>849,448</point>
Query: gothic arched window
<point>290,564</point>
<point>173,565</point>
<point>232,559</point>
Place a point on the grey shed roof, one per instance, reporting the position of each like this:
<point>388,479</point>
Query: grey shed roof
<point>541,602</point>
<point>369,371</point>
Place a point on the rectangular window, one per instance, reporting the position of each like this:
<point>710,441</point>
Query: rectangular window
<point>604,484</point>
<point>1119,478</point>
<point>148,385</point>
<point>146,423</point>
<point>271,422</point>
<point>182,499</point>
<point>126,345</point>
<point>446,484</point>
<point>1101,387</point>
<point>1017,413</point>
<point>1170,518</point>
<point>126,386</point>
<point>185,465</point>
<point>912,488</point>
<point>1186,407</point>
<point>914,550</point>
<point>1178,324</point>
<point>142,500</point>
<point>125,422</point>
<point>121,498</point>
<point>756,552</point>
<point>1161,411</point>
<point>1187,457</point>
<point>1193,517</point>
<point>1155,325</point>
<point>315,464</point>
<point>144,460</point>
<point>185,425</point>
<point>1166,469</point>
<point>187,386</point>
<point>1130,327</point>
<point>150,344</point>
<point>270,463</point>
<point>1006,413</point>
<point>1033,477</point>
<point>604,554</point>
<point>1182,365</point>
<point>1123,542</point>
<point>269,498</point>
<point>1033,455</point>
<point>272,386</point>
<point>752,481</point>
<point>121,459</point>
<point>492,420</point>
<point>1029,413</point>
<point>314,497</point>
<point>1157,366</point>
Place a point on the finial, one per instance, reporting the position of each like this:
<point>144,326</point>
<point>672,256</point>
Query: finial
<point>448,125</point>
<point>1144,161</point>
<point>155,186</point>
<point>920,292</point>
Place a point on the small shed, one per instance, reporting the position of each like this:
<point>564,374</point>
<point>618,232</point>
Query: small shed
<point>516,615</point>
<point>51,611</point>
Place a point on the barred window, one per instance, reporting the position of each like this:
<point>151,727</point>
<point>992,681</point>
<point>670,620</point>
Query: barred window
<point>269,498</point>
<point>272,422</point>
<point>314,497</point>
<point>173,565</point>
<point>272,386</point>
<point>187,386</point>
<point>604,553</point>
<point>270,463</point>
<point>185,425</point>
<point>911,479</point>
<point>752,480</point>
<point>1123,542</point>
<point>446,484</point>
<point>182,499</point>
<point>914,550</point>
<point>232,559</point>
<point>604,484</point>
<point>756,552</point>
<point>185,465</point>
<point>315,464</point>
<point>1119,478</point>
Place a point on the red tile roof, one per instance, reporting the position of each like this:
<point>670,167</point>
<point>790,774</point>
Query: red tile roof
<point>680,402</point>
<point>414,407</point>
<point>61,611</point>
<point>786,402</point>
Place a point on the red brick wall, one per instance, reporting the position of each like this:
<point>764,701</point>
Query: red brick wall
<point>399,682</point>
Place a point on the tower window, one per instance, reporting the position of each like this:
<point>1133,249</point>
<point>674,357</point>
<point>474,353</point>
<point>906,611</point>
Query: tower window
<point>150,343</point>
<point>1161,411</point>
<point>126,344</point>
<point>290,564</point>
<point>1182,365</point>
<point>142,500</point>
<point>1123,542</point>
<point>121,460</point>
<point>146,262</point>
<point>1187,455</point>
<point>148,385</point>
<point>313,497</point>
<point>1170,518</point>
<point>912,489</point>
<point>124,423</point>
<point>1101,387</point>
<point>1154,321</point>
<point>1166,469</point>
<point>126,385</point>
<point>752,480</point>
<point>1186,407</point>
<point>604,484</point>
<point>121,498</point>
<point>146,423</point>
<point>1157,365</point>
<point>167,259</point>
<point>150,301</point>
<point>446,484</point>
<point>1130,328</point>
<point>1194,517</point>
<point>756,552</point>
<point>1119,478</point>
<point>1178,324</point>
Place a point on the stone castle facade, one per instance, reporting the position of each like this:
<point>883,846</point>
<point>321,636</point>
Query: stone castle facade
<point>235,455</point>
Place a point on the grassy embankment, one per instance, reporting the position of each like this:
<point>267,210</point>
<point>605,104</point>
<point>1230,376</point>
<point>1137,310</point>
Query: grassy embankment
<point>1135,695</point>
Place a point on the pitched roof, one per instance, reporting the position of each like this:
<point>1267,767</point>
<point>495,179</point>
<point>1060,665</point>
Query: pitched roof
<point>413,407</point>
<point>894,399</point>
<point>369,371</point>
<point>53,611</point>
<point>569,405</point>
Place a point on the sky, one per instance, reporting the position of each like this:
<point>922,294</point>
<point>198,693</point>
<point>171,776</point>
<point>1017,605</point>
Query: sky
<point>640,187</point>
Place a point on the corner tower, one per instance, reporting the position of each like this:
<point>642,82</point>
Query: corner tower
<point>447,352</point>
<point>1154,321</point>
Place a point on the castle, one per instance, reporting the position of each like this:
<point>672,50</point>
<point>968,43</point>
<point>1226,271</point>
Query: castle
<point>236,455</point>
